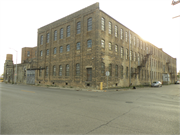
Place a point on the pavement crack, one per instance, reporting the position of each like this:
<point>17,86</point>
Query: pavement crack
<point>105,124</point>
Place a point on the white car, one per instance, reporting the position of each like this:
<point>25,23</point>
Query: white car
<point>156,84</point>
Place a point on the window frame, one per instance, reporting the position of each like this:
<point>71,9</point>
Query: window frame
<point>78,29</point>
<point>89,24</point>
<point>55,35</point>
<point>89,43</point>
<point>68,31</point>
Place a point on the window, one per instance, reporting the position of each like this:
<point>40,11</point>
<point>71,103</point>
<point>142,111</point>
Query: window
<point>78,46</point>
<point>78,27</point>
<point>116,31</point>
<point>54,70</point>
<point>126,72</point>
<point>116,70</point>
<point>102,43</point>
<point>134,56</point>
<point>126,54</point>
<point>67,48</point>
<point>77,69</point>
<point>40,71</point>
<point>35,53</point>
<point>102,69</point>
<point>110,46</point>
<point>89,43</point>
<point>28,53</point>
<point>54,51</point>
<point>41,53</point>
<point>126,36</point>
<point>47,71</point>
<point>61,33</point>
<point>89,25</point>
<point>110,69</point>
<point>55,35</point>
<point>122,52</point>
<point>121,34</point>
<point>67,70</point>
<point>61,49</point>
<point>130,39</point>
<point>47,52</point>
<point>116,48</point>
<point>68,31</point>
<point>134,41</point>
<point>102,24</point>
<point>41,41</point>
<point>110,27</point>
<point>47,38</point>
<point>121,72</point>
<point>60,70</point>
<point>137,42</point>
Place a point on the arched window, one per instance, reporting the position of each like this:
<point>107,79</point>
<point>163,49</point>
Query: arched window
<point>89,24</point>
<point>110,46</point>
<point>54,52</point>
<point>116,31</point>
<point>121,72</point>
<point>41,53</point>
<point>55,35</point>
<point>121,34</point>
<point>47,52</point>
<point>78,27</point>
<point>60,70</point>
<point>102,24</point>
<point>102,43</point>
<point>61,33</point>
<point>61,49</point>
<point>89,43</point>
<point>67,48</point>
<point>110,27</point>
<point>78,46</point>
<point>77,69</point>
<point>116,48</point>
<point>41,41</point>
<point>67,70</point>
<point>54,70</point>
<point>47,38</point>
<point>68,31</point>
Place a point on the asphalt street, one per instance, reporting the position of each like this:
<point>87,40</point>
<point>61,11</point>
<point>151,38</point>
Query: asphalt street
<point>39,110</point>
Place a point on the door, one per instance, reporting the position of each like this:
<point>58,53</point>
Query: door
<point>89,74</point>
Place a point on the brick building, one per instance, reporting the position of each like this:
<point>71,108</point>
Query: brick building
<point>77,50</point>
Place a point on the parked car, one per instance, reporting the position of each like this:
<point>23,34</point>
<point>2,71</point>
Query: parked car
<point>156,84</point>
<point>177,82</point>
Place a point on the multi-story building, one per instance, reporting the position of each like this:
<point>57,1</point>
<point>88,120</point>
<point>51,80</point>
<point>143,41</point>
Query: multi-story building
<point>79,49</point>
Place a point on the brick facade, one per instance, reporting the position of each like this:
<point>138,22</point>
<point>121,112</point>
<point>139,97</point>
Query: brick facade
<point>86,65</point>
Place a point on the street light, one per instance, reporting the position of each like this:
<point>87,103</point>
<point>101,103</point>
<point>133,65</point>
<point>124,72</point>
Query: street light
<point>16,65</point>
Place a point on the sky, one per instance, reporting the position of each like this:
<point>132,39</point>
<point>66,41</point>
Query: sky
<point>150,19</point>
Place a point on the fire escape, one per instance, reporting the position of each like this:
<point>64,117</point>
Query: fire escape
<point>142,63</point>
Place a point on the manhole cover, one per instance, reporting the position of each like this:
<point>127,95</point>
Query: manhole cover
<point>129,102</point>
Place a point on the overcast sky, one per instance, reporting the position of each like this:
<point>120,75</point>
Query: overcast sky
<point>150,19</point>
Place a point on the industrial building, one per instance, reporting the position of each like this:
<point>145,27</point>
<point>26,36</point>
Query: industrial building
<point>79,49</point>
